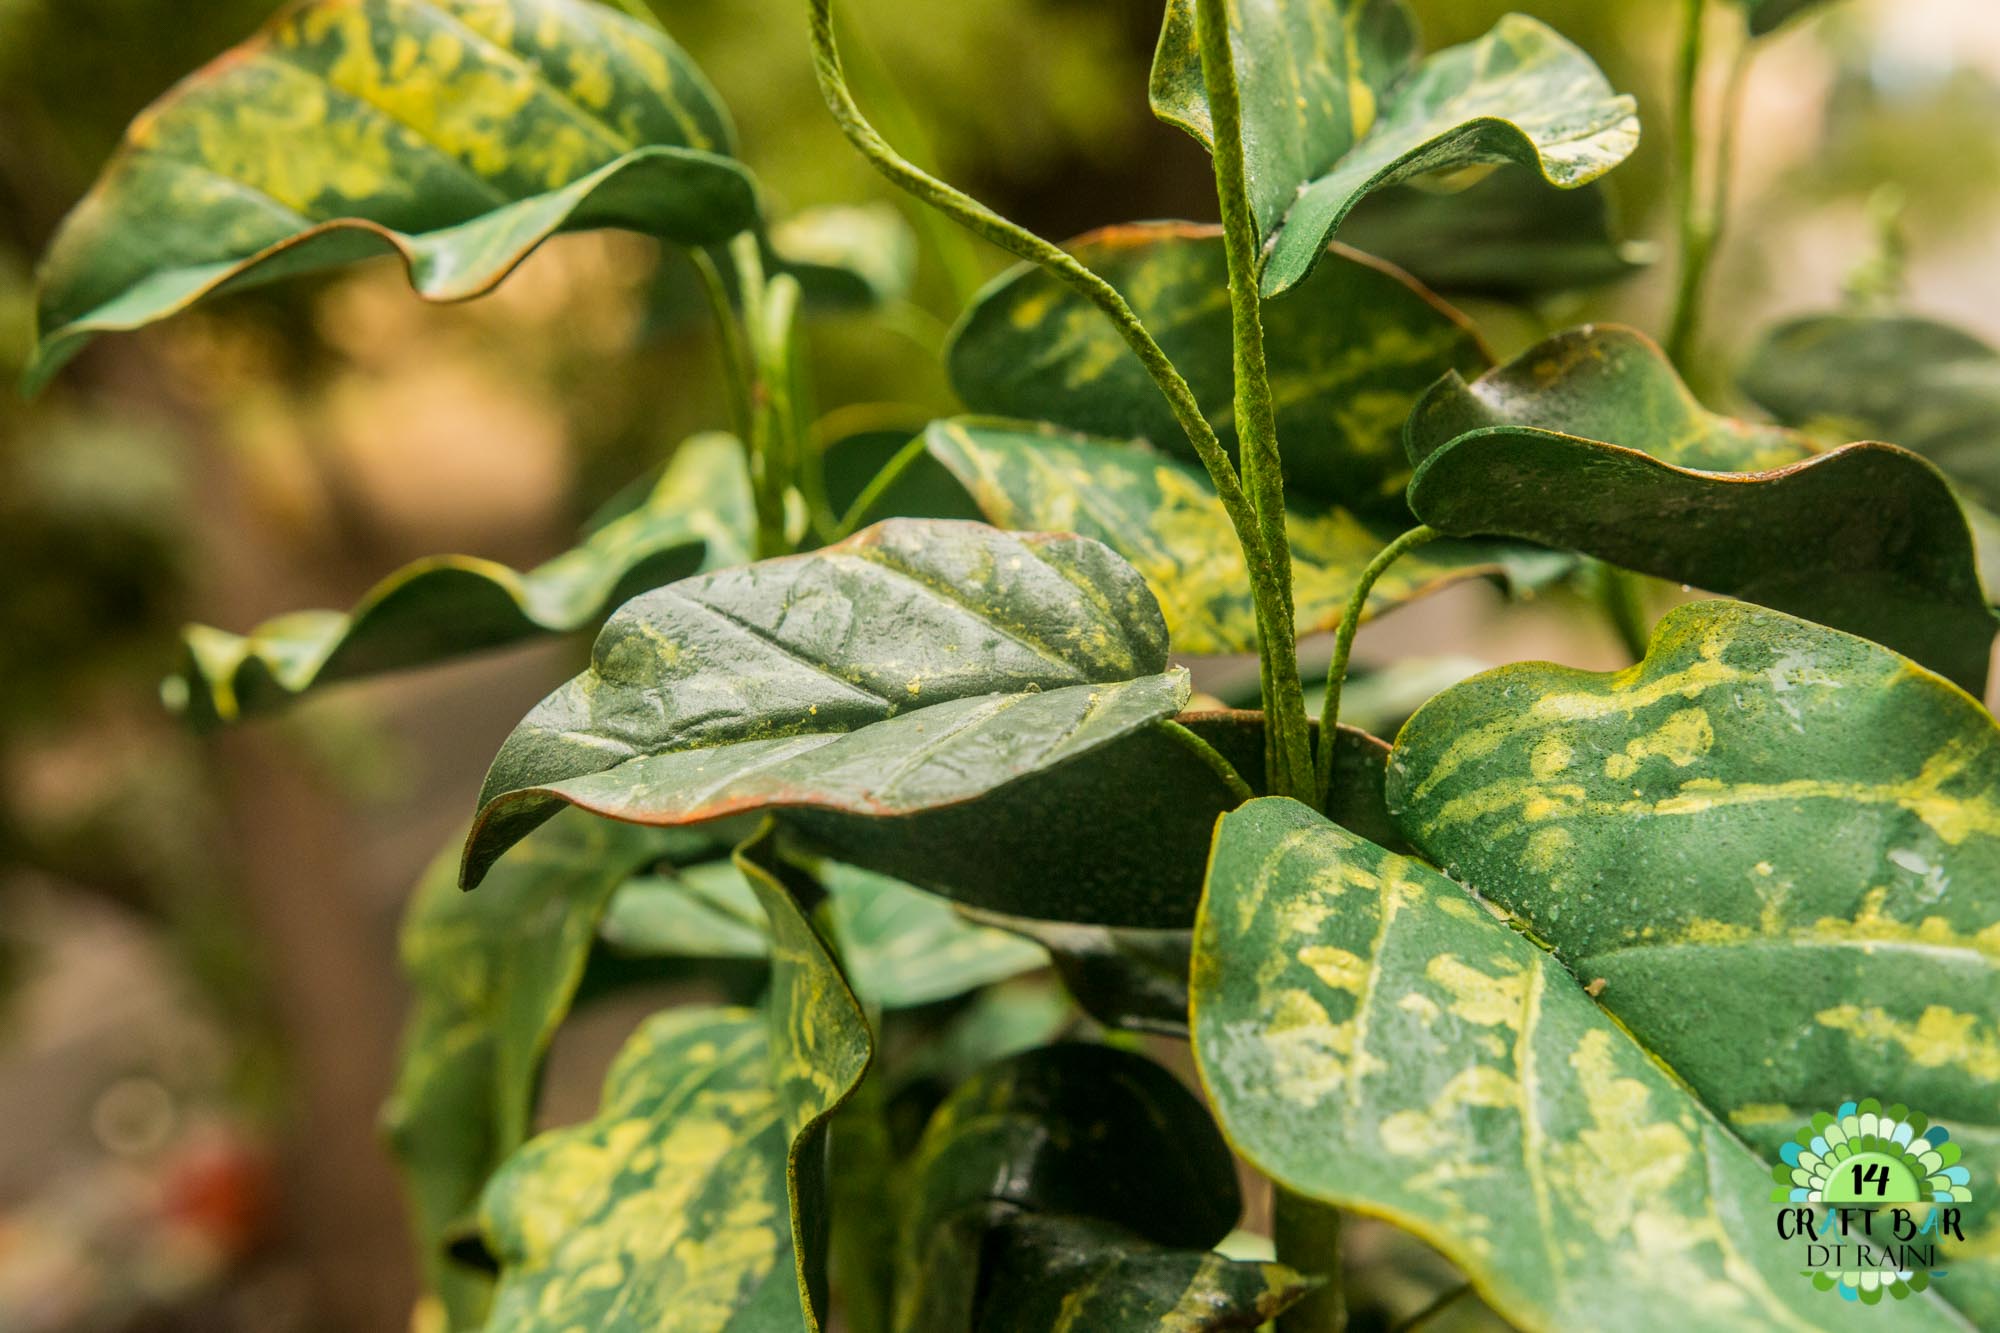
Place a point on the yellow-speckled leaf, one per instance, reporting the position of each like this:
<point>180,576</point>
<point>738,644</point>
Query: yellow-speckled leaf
<point>1371,1036</point>
<point>698,515</point>
<point>1336,104</point>
<point>458,134</point>
<point>1779,848</point>
<point>1161,514</point>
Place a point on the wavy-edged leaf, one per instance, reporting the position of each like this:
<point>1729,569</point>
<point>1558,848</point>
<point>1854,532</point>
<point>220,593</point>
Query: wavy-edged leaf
<point>1589,441</point>
<point>1371,1036</point>
<point>1779,847</point>
<point>1162,516</point>
<point>1121,1181</point>
<point>1336,104</point>
<point>699,514</point>
<point>916,664</point>
<point>1929,387</point>
<point>494,974</point>
<point>1510,236</point>
<point>459,134</point>
<point>1348,359</point>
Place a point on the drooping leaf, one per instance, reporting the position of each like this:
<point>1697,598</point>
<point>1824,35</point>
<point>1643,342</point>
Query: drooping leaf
<point>915,665</point>
<point>698,514</point>
<point>1370,1036</point>
<point>1929,387</point>
<point>1070,1133</point>
<point>494,974</point>
<point>458,134</point>
<point>1777,845</point>
<point>1509,235</point>
<point>1162,515</point>
<point>1336,104</point>
<point>1591,442</point>
<point>1348,359</point>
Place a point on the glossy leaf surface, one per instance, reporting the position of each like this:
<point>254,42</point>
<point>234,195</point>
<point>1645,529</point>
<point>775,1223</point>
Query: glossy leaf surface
<point>1924,385</point>
<point>494,974</point>
<point>1779,847</point>
<point>699,514</point>
<point>1372,1037</point>
<point>1591,442</point>
<point>1335,104</point>
<point>457,134</point>
<point>915,665</point>
<point>1162,516</point>
<point>1348,358</point>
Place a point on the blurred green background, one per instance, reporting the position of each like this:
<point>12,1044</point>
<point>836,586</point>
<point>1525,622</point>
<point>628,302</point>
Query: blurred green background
<point>199,1006</point>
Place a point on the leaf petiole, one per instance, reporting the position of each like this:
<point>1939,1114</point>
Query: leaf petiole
<point>1343,644</point>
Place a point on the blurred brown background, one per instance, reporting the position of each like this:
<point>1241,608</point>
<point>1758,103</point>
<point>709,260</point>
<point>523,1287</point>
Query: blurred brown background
<point>199,1006</point>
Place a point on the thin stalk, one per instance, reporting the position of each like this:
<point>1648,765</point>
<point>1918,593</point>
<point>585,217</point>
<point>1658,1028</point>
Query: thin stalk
<point>1059,263</point>
<point>1433,1310</point>
<point>1306,1233</point>
<point>1697,228</point>
<point>769,401</point>
<point>879,484</point>
<point>1621,595</point>
<point>1343,645</point>
<point>729,330</point>
<point>1212,757</point>
<point>1290,743</point>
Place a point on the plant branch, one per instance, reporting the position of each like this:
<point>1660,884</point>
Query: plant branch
<point>1697,227</point>
<point>1343,646</point>
<point>1306,1234</point>
<point>1212,757</point>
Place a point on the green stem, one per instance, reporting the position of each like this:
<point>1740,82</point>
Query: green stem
<point>1697,229</point>
<point>1290,754</point>
<point>729,330</point>
<point>768,309</point>
<point>879,484</point>
<point>1212,757</point>
<point>1433,1310</point>
<point>1622,595</point>
<point>1343,645</point>
<point>1306,1233</point>
<point>1059,263</point>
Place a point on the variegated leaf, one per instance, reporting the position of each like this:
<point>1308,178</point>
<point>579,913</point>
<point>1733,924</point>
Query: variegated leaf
<point>699,514</point>
<point>1370,1036</point>
<point>1590,441</point>
<point>1336,104</point>
<point>1778,846</point>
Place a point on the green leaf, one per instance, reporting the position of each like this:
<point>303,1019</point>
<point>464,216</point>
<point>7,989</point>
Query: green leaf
<point>1347,360</point>
<point>457,134</point>
<point>494,974</point>
<point>915,665</point>
<point>1114,1152</point>
<point>1336,104</point>
<point>1929,387</point>
<point>707,910</point>
<point>1510,236</point>
<point>845,257</point>
<point>1162,515</point>
<point>1371,1037</point>
<point>1590,441</point>
<point>698,514</point>
<point>1777,845</point>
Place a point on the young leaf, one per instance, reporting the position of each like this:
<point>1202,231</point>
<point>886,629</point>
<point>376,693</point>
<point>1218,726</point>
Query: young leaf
<point>1335,104</point>
<point>1160,514</point>
<point>1510,236</point>
<point>1092,1136</point>
<point>458,134</point>
<point>915,665</point>
<point>1777,845</point>
<point>1347,360</point>
<point>698,515</point>
<point>1591,442</point>
<point>1370,1036</point>
<point>1927,386</point>
<point>494,974</point>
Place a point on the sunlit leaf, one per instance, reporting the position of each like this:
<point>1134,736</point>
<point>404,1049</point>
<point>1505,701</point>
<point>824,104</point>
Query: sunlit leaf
<point>913,667</point>
<point>1336,104</point>
<point>698,515</point>
<point>1161,514</point>
<point>494,974</point>
<point>1589,441</point>
<point>1075,1173</point>
<point>458,134</point>
<point>1777,845</point>
<point>1348,359</point>
<point>1370,1036</point>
